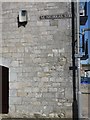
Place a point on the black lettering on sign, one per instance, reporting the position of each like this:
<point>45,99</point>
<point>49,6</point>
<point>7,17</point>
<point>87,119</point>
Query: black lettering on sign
<point>61,16</point>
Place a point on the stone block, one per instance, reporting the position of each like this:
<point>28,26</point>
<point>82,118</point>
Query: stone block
<point>14,64</point>
<point>68,93</point>
<point>12,109</point>
<point>15,100</point>
<point>13,93</point>
<point>21,93</point>
<point>54,23</point>
<point>48,95</point>
<point>13,76</point>
<point>52,89</point>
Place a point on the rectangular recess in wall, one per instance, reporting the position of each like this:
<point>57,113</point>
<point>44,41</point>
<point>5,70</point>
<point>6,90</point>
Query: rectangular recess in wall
<point>4,89</point>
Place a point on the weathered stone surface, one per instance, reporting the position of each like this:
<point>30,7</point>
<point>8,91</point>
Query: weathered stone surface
<point>53,115</point>
<point>39,115</point>
<point>38,56</point>
<point>13,92</point>
<point>15,100</point>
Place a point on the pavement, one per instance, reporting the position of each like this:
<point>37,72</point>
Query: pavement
<point>85,101</point>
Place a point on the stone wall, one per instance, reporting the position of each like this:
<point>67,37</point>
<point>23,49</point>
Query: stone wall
<point>38,56</point>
